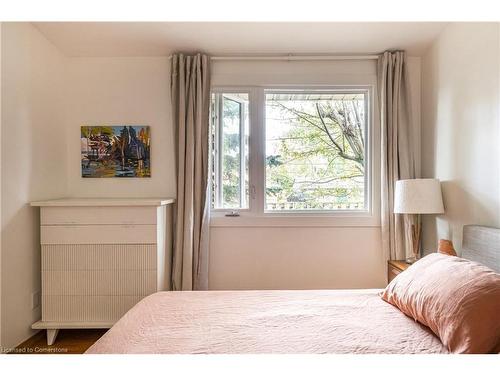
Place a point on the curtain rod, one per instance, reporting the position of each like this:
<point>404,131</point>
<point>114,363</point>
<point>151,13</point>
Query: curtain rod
<point>291,57</point>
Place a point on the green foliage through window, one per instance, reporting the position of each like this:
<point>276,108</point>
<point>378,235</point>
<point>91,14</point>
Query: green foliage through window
<point>229,150</point>
<point>315,151</point>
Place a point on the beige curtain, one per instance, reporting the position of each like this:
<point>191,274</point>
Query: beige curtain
<point>397,152</point>
<point>190,90</point>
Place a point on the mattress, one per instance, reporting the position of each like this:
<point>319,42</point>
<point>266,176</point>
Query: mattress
<point>248,322</point>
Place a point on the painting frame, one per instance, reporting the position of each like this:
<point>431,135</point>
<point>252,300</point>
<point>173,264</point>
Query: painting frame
<point>115,151</point>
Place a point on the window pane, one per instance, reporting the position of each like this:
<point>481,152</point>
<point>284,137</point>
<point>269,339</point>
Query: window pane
<point>315,151</point>
<point>230,150</point>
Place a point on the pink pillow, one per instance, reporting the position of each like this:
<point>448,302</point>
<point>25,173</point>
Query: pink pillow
<point>459,300</point>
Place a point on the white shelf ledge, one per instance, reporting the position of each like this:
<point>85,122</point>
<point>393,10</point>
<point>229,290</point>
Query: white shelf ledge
<point>89,202</point>
<point>70,325</point>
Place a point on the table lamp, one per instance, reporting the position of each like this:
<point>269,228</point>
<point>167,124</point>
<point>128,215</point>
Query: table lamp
<point>415,197</point>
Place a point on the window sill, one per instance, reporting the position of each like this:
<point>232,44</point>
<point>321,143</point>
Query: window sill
<point>274,220</point>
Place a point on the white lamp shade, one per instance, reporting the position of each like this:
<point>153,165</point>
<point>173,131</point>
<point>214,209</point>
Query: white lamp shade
<point>418,196</point>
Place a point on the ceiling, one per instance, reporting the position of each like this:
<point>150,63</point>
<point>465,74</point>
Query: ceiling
<point>162,38</point>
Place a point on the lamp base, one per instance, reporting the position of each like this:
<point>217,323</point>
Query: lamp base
<point>416,230</point>
<point>410,260</point>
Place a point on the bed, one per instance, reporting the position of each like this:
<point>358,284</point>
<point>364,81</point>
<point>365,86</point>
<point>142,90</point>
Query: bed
<point>291,322</point>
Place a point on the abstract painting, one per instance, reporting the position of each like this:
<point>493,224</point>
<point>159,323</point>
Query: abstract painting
<point>115,151</point>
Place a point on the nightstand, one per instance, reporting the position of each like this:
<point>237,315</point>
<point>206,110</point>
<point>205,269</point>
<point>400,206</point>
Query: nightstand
<point>395,267</point>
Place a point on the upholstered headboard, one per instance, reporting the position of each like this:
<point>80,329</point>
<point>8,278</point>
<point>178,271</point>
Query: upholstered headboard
<point>482,244</point>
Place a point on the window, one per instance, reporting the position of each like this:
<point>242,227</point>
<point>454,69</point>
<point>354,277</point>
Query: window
<point>308,152</point>
<point>229,118</point>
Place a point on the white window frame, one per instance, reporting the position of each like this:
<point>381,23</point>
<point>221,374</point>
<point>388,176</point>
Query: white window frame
<point>233,90</point>
<point>256,215</point>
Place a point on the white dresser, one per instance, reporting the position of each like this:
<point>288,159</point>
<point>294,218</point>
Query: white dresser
<point>99,258</point>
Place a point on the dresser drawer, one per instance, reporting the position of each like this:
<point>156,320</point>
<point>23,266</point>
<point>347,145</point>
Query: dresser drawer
<point>392,272</point>
<point>98,234</point>
<point>395,267</point>
<point>97,215</point>
<point>68,257</point>
<point>86,308</point>
<point>99,282</point>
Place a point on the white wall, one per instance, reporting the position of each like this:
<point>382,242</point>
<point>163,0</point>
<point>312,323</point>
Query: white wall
<point>33,165</point>
<point>117,91</point>
<point>296,258</point>
<point>461,130</point>
<point>342,256</point>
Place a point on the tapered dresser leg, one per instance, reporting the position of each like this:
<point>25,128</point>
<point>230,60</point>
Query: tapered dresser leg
<point>51,336</point>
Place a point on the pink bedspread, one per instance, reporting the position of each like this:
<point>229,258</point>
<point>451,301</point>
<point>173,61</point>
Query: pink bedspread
<point>320,321</point>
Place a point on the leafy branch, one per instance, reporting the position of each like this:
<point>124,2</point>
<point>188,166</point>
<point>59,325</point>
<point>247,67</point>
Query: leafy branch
<point>348,127</point>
